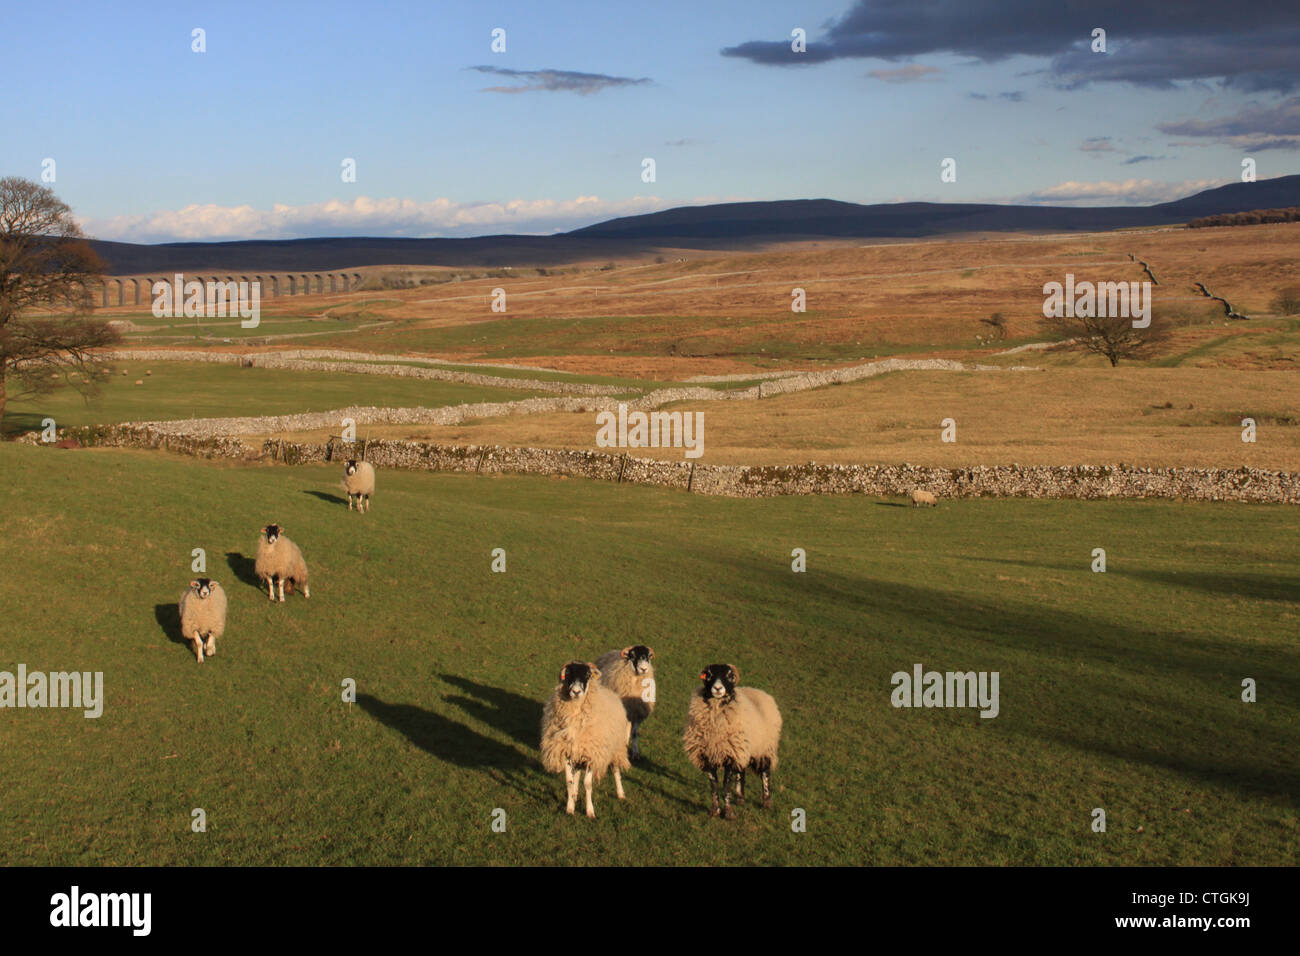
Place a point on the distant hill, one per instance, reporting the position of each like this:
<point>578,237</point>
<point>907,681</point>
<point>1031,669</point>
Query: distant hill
<point>719,226</point>
<point>828,218</point>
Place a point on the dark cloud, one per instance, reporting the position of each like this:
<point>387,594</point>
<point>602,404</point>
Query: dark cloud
<point>1134,160</point>
<point>556,81</point>
<point>1272,127</point>
<point>1251,44</point>
<point>1015,96</point>
<point>978,96</point>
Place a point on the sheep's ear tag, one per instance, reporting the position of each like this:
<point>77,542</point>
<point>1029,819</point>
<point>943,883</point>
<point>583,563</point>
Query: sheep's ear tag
<point>704,675</point>
<point>564,672</point>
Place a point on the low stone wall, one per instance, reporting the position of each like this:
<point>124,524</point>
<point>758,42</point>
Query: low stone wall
<point>328,360</point>
<point>324,360</point>
<point>140,436</point>
<point>996,481</point>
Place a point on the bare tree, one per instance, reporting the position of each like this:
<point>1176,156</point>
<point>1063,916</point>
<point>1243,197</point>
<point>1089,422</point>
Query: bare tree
<point>1112,336</point>
<point>47,271</point>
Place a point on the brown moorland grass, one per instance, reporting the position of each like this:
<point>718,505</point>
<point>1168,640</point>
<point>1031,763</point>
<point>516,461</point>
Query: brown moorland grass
<point>722,312</point>
<point>1055,416</point>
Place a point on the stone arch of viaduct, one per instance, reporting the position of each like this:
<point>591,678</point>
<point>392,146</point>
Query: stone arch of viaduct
<point>272,284</point>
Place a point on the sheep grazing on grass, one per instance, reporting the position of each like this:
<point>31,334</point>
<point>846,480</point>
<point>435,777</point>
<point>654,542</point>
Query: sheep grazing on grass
<point>359,483</point>
<point>630,674</point>
<point>280,560</point>
<point>584,730</point>
<point>920,497</point>
<point>735,729</point>
<point>203,615</point>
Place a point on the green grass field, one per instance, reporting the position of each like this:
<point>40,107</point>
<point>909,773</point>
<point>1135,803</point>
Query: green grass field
<point>177,390</point>
<point>1118,690</point>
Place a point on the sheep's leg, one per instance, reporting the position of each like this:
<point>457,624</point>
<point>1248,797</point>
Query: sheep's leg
<point>198,648</point>
<point>618,784</point>
<point>367,502</point>
<point>570,787</point>
<point>740,787</point>
<point>713,785</point>
<point>727,812</point>
<point>767,788</point>
<point>586,780</point>
<point>270,587</point>
<point>306,591</point>
<point>211,646</point>
<point>281,590</point>
<point>634,732</point>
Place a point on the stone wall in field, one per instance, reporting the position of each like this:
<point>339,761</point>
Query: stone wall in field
<point>355,363</point>
<point>996,481</point>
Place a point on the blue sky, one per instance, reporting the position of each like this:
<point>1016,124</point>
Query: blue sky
<point>155,142</point>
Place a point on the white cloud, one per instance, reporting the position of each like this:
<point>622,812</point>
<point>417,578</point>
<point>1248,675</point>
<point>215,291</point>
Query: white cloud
<point>1125,192</point>
<point>363,216</point>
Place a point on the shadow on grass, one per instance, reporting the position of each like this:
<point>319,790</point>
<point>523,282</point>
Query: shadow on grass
<point>1188,676</point>
<point>326,496</point>
<point>891,504</point>
<point>17,423</point>
<point>1266,587</point>
<point>242,567</point>
<point>457,744</point>
<point>517,716</point>
<point>520,718</point>
<point>168,617</point>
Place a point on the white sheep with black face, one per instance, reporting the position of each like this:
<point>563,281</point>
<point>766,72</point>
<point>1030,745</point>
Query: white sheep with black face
<point>359,483</point>
<point>203,616</point>
<point>280,561</point>
<point>734,729</point>
<point>630,674</point>
<point>584,731</point>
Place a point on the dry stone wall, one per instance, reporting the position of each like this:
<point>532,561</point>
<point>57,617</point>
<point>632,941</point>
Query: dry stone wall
<point>997,481</point>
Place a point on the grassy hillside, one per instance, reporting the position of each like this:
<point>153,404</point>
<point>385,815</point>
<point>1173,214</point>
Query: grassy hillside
<point>1054,416</point>
<point>174,390</point>
<point>1118,690</point>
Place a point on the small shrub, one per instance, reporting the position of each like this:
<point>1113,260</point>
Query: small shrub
<point>1287,300</point>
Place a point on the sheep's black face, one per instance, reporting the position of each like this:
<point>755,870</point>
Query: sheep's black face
<point>639,656</point>
<point>574,679</point>
<point>351,468</point>
<point>719,681</point>
<point>203,587</point>
<point>272,532</point>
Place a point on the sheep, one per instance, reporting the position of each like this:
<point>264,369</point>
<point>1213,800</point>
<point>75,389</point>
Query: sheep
<point>630,674</point>
<point>359,483</point>
<point>280,560</point>
<point>584,730</point>
<point>920,497</point>
<point>203,615</point>
<point>736,728</point>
